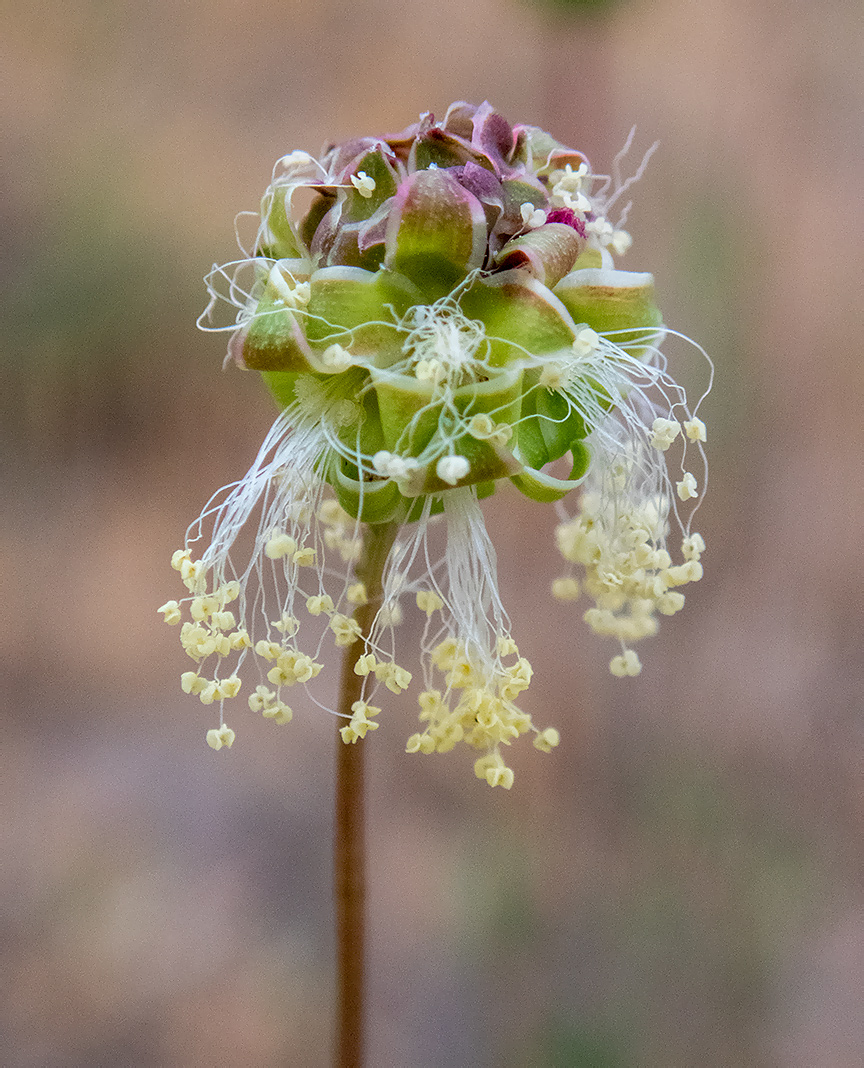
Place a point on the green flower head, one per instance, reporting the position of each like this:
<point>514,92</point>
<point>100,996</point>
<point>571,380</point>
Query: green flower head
<point>436,312</point>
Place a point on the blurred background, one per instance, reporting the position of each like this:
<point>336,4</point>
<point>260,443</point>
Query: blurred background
<point>681,883</point>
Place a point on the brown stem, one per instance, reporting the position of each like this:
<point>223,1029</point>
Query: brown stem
<point>349,847</point>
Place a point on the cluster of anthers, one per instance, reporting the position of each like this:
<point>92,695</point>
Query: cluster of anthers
<point>445,316</point>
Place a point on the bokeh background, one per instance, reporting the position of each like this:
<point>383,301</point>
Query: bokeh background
<point>681,884</point>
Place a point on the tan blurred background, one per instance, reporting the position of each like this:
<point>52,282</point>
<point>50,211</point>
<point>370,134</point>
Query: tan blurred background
<point>681,884</point>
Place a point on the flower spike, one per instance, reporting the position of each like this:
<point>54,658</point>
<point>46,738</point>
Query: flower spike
<point>443,315</point>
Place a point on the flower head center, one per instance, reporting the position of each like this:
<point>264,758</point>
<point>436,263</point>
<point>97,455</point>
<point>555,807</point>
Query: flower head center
<point>443,343</point>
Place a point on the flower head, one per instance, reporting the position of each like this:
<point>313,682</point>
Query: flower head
<point>444,314</point>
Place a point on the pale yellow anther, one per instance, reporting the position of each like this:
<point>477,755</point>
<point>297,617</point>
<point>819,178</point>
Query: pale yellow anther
<point>515,679</point>
<point>555,375</point>
<point>389,465</point>
<point>569,198</point>
<point>211,604</point>
<point>197,642</point>
<point>506,646</point>
<point>230,687</point>
<point>670,602</point>
<point>337,358</point>
<point>197,609</point>
<point>695,429</point>
<point>346,630</point>
<point>431,704</point>
<point>194,575</point>
<point>179,557</point>
<point>360,722</point>
<point>451,469</point>
<point>620,241</point>
<point>281,676</point>
<point>415,743</point>
<point>569,179</point>
<point>692,546</point>
<point>363,183</point>
<point>293,667</point>
<point>223,737</point>
<point>532,217</point>
<point>600,228</point>
<point>350,549</point>
<point>661,560</point>
<point>390,615</point>
<point>500,776</point>
<point>209,693</point>
<point>586,342</point>
<point>395,678</point>
<point>304,557</point>
<point>191,682</point>
<point>566,589</point>
<point>627,664</point>
<point>430,371</point>
<point>356,594</point>
<point>280,545</point>
<point>223,620</point>
<point>546,740</point>
<point>305,668</point>
<point>171,612</point>
<point>360,711</point>
<point>686,488</point>
<point>428,601</point>
<point>664,432</point>
<point>261,699</point>
<point>229,592</point>
<point>488,718</point>
<point>332,514</point>
<point>694,570</point>
<point>319,604</point>
<point>287,625</point>
<point>268,650</point>
<point>279,712</point>
<point>221,644</point>
<point>678,575</point>
<point>365,665</point>
<point>481,426</point>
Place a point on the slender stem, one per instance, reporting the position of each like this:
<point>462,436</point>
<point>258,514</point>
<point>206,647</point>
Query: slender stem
<point>349,847</point>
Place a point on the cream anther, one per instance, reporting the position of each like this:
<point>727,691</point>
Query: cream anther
<point>428,601</point>
<point>318,604</point>
<point>664,432</point>
<point>451,469</point>
<point>356,594</point>
<point>221,738</point>
<point>566,589</point>
<point>391,466</point>
<point>695,429</point>
<point>532,217</point>
<point>586,342</point>
<point>346,630</point>
<point>686,488</point>
<point>280,545</point>
<point>364,185</point>
<point>171,612</point>
<point>336,358</point>
<point>626,665</point>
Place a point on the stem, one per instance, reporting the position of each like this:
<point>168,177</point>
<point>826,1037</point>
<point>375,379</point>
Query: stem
<point>349,847</point>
